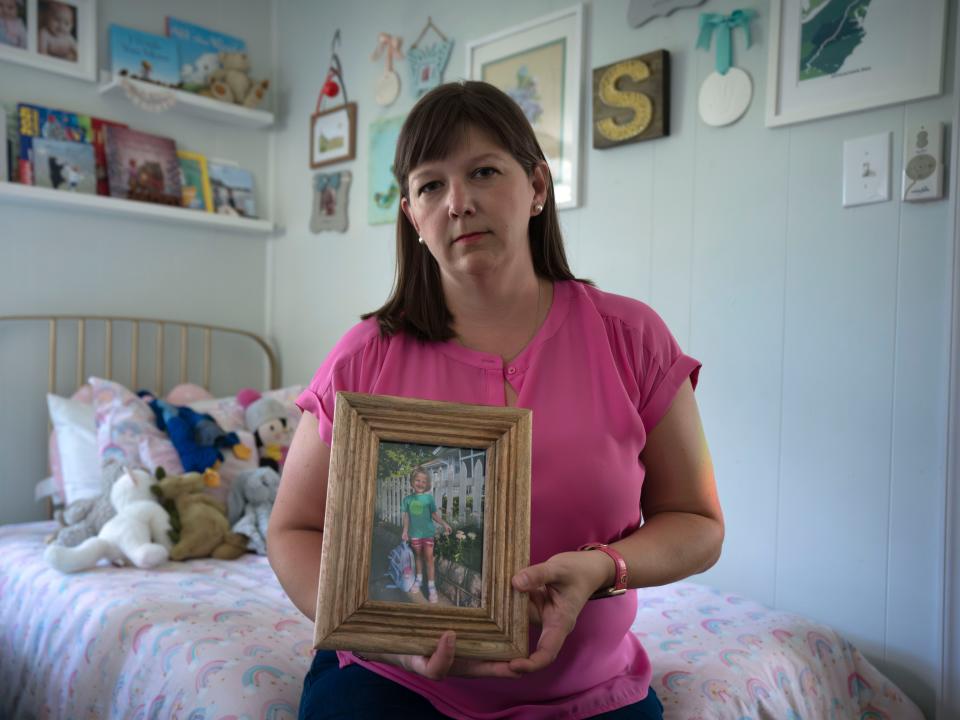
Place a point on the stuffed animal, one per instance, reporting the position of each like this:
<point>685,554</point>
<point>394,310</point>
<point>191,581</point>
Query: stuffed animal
<point>202,520</point>
<point>231,82</point>
<point>83,519</point>
<point>137,535</point>
<point>251,500</point>
<point>266,418</point>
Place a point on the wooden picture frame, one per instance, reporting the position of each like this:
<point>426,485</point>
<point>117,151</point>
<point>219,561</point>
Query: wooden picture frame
<point>337,126</point>
<point>859,65</point>
<point>540,65</point>
<point>76,57</point>
<point>347,617</point>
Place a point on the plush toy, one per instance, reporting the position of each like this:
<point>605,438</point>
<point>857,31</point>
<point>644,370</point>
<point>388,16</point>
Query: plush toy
<point>266,418</point>
<point>137,535</point>
<point>201,519</point>
<point>251,500</point>
<point>231,82</point>
<point>83,519</point>
<point>196,436</point>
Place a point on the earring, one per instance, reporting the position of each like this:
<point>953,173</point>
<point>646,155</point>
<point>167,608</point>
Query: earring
<point>538,208</point>
<point>421,241</point>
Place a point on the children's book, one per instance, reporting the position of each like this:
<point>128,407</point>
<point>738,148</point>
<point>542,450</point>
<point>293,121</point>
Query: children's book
<point>200,50</point>
<point>143,167</point>
<point>64,165</point>
<point>232,189</point>
<point>195,181</point>
<point>35,121</point>
<point>142,56</point>
<point>99,126</point>
<point>5,150</point>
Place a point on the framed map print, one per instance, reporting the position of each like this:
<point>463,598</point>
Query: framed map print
<point>829,57</point>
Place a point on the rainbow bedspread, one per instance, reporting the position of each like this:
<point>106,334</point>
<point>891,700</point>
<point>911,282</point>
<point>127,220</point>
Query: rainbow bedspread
<point>214,639</point>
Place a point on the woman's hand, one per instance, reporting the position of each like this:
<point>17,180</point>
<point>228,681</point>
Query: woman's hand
<point>558,590</point>
<point>443,663</point>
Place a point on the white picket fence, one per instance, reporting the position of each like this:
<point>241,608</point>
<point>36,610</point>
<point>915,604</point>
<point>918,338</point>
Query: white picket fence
<point>459,496</point>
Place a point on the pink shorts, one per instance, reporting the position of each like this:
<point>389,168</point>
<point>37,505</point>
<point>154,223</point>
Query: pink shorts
<point>417,543</point>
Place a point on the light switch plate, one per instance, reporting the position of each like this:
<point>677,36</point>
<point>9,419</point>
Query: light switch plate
<point>866,170</point>
<point>923,162</point>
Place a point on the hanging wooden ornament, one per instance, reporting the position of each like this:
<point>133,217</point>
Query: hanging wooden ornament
<point>330,202</point>
<point>388,86</point>
<point>726,93</point>
<point>428,63</point>
<point>333,131</point>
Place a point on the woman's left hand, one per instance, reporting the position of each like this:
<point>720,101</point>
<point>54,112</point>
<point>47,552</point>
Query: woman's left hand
<point>558,590</point>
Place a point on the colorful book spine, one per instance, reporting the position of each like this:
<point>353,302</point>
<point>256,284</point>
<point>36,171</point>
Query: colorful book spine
<point>100,126</point>
<point>195,181</point>
<point>35,121</point>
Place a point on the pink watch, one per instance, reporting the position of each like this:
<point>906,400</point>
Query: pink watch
<point>619,586</point>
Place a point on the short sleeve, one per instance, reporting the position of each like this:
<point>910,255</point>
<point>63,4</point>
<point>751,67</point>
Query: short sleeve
<point>663,368</point>
<point>352,366</point>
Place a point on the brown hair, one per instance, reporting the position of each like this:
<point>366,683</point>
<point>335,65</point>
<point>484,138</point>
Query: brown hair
<point>419,470</point>
<point>435,124</point>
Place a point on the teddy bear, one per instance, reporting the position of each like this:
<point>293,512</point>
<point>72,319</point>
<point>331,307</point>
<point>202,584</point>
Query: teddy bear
<point>200,521</point>
<point>231,82</point>
<point>137,535</point>
<point>266,418</point>
<point>248,507</point>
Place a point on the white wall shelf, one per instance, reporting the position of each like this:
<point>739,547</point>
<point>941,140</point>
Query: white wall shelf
<point>31,196</point>
<point>198,106</point>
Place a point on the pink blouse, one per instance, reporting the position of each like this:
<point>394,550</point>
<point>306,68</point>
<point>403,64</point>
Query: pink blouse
<point>598,375</point>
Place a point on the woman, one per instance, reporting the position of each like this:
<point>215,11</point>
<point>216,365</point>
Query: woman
<point>485,310</point>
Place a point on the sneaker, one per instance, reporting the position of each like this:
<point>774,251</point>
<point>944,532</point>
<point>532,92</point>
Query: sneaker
<point>433,596</point>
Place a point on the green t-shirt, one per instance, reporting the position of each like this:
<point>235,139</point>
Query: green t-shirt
<point>420,508</point>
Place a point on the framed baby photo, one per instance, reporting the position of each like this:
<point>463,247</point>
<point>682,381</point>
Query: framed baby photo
<point>333,135</point>
<point>55,35</point>
<point>539,64</point>
<point>427,520</point>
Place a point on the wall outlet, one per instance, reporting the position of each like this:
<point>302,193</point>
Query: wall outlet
<point>923,162</point>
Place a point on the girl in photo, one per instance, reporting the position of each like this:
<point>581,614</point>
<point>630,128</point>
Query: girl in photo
<point>419,514</point>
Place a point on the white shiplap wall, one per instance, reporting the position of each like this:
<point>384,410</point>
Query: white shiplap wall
<point>824,332</point>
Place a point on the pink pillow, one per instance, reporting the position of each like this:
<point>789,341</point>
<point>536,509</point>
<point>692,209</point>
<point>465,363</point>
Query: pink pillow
<point>123,420</point>
<point>159,452</point>
<point>187,393</point>
<point>229,414</point>
<point>232,466</point>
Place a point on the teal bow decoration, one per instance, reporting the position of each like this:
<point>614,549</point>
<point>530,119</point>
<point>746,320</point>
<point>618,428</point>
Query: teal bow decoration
<point>724,24</point>
<point>322,180</point>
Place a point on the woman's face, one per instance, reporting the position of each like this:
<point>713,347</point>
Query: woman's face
<point>473,208</point>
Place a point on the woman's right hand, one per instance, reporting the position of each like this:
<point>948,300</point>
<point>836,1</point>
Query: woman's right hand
<point>443,662</point>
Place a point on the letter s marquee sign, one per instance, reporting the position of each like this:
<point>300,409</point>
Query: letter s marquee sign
<point>631,100</point>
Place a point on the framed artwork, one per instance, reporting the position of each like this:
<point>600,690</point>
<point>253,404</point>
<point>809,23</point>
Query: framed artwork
<point>330,191</point>
<point>55,35</point>
<point>839,56</point>
<point>539,64</point>
<point>631,100</point>
<point>383,193</point>
<point>333,135</point>
<point>439,488</point>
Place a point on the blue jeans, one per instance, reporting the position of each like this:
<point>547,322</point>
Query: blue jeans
<point>355,693</point>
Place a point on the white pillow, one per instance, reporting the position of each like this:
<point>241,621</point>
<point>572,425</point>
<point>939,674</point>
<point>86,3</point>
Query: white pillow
<point>77,443</point>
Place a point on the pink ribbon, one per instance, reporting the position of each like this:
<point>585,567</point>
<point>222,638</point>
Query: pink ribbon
<point>391,44</point>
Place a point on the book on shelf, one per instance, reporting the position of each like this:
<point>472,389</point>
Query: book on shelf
<point>99,126</point>
<point>144,56</point>
<point>64,165</point>
<point>6,147</point>
<point>195,181</point>
<point>142,167</point>
<point>199,49</point>
<point>35,121</point>
<point>232,189</point>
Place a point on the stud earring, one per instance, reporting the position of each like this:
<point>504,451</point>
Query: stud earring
<point>421,241</point>
<point>538,208</point>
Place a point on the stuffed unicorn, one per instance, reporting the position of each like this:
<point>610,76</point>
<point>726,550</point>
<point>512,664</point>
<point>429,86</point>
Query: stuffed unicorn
<point>137,535</point>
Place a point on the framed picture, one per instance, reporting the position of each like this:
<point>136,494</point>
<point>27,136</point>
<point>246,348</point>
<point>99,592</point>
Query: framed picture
<point>539,64</point>
<point>383,193</point>
<point>333,135</point>
<point>836,56</point>
<point>55,35</point>
<point>439,488</point>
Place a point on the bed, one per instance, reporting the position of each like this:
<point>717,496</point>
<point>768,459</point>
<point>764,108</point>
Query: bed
<point>219,639</point>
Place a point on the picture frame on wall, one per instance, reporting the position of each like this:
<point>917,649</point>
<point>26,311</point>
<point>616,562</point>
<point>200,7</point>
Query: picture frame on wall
<point>540,65</point>
<point>395,464</point>
<point>835,58</point>
<point>333,135</point>
<point>55,35</point>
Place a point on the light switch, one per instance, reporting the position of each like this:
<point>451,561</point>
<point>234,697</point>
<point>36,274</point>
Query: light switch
<point>866,170</point>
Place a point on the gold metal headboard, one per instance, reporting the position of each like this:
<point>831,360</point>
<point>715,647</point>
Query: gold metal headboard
<point>160,326</point>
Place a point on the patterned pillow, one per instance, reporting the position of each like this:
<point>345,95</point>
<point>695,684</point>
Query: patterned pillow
<point>123,420</point>
<point>229,414</point>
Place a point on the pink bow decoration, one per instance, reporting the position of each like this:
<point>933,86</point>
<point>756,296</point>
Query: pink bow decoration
<point>391,44</point>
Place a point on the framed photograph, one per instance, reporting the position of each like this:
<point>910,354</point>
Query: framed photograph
<point>539,64</point>
<point>55,35</point>
<point>439,491</point>
<point>839,56</point>
<point>333,135</point>
<point>383,193</point>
